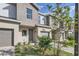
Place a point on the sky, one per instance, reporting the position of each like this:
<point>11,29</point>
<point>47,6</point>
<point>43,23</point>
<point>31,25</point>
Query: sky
<point>44,9</point>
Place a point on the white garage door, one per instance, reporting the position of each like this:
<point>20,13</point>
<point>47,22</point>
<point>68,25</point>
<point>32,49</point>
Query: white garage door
<point>6,37</point>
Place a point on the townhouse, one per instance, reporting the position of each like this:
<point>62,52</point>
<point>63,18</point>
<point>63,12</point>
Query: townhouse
<point>21,22</point>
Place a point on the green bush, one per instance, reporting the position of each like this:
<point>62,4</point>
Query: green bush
<point>70,38</point>
<point>28,49</point>
<point>69,42</point>
<point>44,43</point>
<point>43,48</point>
<point>25,49</point>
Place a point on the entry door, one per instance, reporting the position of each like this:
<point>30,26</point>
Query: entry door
<point>30,35</point>
<point>24,35</point>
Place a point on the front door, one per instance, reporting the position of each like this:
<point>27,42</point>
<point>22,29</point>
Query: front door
<point>31,35</point>
<point>24,35</point>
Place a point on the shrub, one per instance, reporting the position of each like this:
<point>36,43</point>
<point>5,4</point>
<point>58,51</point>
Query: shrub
<point>28,49</point>
<point>69,42</point>
<point>70,38</point>
<point>44,43</point>
<point>18,49</point>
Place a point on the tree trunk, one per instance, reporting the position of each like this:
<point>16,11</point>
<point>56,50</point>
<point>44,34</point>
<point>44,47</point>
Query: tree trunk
<point>53,38</point>
<point>58,41</point>
<point>58,47</point>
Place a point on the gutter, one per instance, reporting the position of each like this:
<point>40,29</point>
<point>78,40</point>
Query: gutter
<point>10,20</point>
<point>43,26</point>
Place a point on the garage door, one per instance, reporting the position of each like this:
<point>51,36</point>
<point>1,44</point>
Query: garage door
<point>6,37</point>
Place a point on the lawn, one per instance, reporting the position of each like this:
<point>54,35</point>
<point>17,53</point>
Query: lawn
<point>62,53</point>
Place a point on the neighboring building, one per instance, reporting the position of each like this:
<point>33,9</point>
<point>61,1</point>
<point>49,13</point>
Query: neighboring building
<point>21,22</point>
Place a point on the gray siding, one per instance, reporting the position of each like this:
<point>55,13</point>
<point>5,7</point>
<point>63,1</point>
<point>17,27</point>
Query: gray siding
<point>8,10</point>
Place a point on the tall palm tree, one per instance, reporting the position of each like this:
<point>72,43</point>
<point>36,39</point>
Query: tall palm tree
<point>61,17</point>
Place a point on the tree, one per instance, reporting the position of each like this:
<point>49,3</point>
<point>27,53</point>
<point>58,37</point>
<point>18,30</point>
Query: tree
<point>61,23</point>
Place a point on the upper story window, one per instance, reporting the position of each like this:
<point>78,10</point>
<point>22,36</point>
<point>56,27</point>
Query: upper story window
<point>29,13</point>
<point>44,20</point>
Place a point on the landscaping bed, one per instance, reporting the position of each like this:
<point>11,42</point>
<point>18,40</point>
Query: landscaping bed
<point>31,50</point>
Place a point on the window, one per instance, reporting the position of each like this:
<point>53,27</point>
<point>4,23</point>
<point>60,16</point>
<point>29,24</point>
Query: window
<point>47,20</point>
<point>39,19</point>
<point>29,13</point>
<point>44,33</point>
<point>42,20</point>
<point>24,33</point>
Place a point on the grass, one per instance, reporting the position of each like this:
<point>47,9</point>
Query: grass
<point>62,53</point>
<point>66,53</point>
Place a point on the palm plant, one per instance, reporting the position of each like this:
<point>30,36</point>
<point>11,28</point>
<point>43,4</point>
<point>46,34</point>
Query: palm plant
<point>61,17</point>
<point>44,44</point>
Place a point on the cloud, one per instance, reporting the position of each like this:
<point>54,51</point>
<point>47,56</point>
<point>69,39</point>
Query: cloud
<point>41,7</point>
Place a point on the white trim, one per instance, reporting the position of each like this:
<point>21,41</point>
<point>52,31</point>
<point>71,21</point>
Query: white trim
<point>11,20</point>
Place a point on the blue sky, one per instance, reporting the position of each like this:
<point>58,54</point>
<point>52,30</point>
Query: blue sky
<point>43,7</point>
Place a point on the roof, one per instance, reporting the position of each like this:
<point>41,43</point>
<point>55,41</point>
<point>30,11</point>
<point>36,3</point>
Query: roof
<point>35,5</point>
<point>44,14</point>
